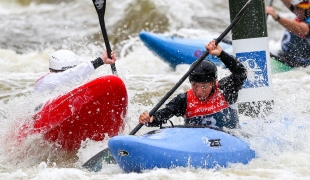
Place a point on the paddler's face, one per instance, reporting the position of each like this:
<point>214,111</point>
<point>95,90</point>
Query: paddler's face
<point>202,90</point>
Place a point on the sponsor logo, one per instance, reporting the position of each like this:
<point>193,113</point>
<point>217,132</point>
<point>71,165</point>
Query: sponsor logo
<point>67,67</point>
<point>209,121</point>
<point>99,3</point>
<point>123,153</point>
<point>212,142</point>
<point>256,65</point>
<point>215,142</point>
<point>198,53</point>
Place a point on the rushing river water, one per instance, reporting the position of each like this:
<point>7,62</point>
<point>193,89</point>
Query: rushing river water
<point>31,29</point>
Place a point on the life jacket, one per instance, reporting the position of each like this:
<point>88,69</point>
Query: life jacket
<point>296,45</point>
<point>214,111</point>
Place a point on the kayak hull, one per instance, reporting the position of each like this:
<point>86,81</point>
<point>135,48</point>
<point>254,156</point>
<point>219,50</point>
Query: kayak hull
<point>93,110</point>
<point>176,51</point>
<point>179,147</point>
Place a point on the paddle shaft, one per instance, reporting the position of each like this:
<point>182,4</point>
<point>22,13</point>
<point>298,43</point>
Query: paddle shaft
<point>270,4</point>
<point>100,8</point>
<point>201,58</point>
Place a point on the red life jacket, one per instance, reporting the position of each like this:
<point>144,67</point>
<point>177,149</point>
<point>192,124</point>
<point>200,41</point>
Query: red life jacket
<point>298,20</point>
<point>213,104</point>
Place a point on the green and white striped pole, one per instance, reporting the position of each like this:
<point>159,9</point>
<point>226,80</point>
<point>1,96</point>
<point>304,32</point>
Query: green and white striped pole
<point>250,46</point>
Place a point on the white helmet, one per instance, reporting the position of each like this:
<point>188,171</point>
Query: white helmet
<point>295,2</point>
<point>62,60</point>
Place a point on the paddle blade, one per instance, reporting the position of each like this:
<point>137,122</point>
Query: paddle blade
<point>100,6</point>
<point>95,163</point>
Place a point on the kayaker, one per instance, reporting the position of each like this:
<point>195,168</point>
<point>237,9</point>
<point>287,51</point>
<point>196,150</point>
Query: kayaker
<point>209,101</point>
<point>65,70</point>
<point>295,48</point>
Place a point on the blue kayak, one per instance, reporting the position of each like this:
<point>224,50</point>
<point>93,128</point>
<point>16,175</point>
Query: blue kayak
<point>175,50</point>
<point>179,147</point>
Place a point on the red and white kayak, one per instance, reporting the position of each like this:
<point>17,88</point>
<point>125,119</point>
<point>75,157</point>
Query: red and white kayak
<point>89,111</point>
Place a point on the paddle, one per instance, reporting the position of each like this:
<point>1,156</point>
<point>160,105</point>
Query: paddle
<point>270,4</point>
<point>94,163</point>
<point>100,8</point>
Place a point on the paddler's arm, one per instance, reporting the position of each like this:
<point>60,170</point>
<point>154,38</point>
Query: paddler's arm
<point>236,68</point>
<point>72,76</point>
<point>238,71</point>
<point>104,60</point>
<point>87,68</point>
<point>232,83</point>
<point>176,107</point>
<point>300,27</point>
<point>69,77</point>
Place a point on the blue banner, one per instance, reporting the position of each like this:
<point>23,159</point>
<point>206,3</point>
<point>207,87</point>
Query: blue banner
<point>256,65</point>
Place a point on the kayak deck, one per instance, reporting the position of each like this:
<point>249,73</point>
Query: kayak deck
<point>179,147</point>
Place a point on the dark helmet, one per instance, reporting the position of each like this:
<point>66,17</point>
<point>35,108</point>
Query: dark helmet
<point>206,71</point>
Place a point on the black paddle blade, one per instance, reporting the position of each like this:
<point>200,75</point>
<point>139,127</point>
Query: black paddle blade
<point>95,163</point>
<point>100,6</point>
